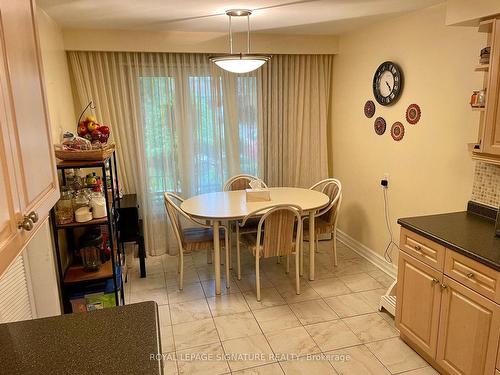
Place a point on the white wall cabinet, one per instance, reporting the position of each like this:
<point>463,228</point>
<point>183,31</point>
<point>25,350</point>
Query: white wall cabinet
<point>28,179</point>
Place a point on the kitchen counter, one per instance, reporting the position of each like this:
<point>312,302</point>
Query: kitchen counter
<point>117,340</point>
<point>468,234</point>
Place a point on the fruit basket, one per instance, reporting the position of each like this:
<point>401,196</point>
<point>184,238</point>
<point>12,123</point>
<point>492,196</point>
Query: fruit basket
<point>90,155</point>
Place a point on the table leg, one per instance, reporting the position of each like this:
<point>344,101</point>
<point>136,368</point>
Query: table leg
<point>312,242</point>
<point>216,225</point>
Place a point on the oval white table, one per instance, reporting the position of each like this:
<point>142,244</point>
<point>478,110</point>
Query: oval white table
<point>232,205</point>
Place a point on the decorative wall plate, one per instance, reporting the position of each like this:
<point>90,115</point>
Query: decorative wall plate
<point>413,114</point>
<point>379,125</point>
<point>369,109</point>
<point>397,131</point>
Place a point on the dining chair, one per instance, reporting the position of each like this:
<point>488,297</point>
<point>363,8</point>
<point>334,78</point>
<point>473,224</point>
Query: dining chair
<point>278,234</point>
<point>325,221</point>
<point>193,238</point>
<point>241,182</point>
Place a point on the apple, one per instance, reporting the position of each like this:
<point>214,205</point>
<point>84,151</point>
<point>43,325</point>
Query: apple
<point>104,129</point>
<point>96,134</point>
<point>91,126</point>
<point>82,130</point>
<point>103,138</point>
<point>90,118</point>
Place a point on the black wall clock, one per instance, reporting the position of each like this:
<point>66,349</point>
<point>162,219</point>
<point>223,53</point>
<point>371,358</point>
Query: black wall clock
<point>388,83</point>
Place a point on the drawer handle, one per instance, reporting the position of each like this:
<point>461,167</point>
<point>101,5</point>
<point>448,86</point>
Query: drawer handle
<point>418,248</point>
<point>444,286</point>
<point>33,216</point>
<point>26,224</point>
<point>435,281</point>
<point>470,275</point>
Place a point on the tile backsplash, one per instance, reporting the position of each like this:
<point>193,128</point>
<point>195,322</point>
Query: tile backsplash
<point>486,186</point>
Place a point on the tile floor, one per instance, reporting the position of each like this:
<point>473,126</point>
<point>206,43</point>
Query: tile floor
<point>332,327</point>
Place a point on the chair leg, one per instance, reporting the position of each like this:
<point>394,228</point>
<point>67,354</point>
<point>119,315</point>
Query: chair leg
<point>228,252</point>
<point>278,260</point>
<point>297,275</point>
<point>238,260</point>
<point>257,278</point>
<point>317,243</point>
<point>230,244</point>
<point>181,276</point>
<point>335,262</point>
<point>301,257</point>
<point>209,256</point>
<point>287,264</point>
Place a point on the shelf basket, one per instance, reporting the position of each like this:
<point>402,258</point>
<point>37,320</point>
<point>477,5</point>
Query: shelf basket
<point>90,155</point>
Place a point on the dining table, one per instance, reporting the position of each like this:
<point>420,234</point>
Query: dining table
<point>228,206</point>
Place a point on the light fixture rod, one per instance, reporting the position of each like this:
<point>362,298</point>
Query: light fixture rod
<point>248,33</point>
<point>230,36</point>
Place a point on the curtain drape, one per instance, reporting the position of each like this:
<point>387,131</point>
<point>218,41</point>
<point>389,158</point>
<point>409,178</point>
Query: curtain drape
<point>179,125</point>
<point>294,110</point>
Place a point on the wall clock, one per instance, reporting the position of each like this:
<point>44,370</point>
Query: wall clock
<point>387,83</point>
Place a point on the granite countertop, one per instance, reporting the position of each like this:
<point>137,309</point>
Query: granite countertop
<point>117,340</point>
<point>467,233</point>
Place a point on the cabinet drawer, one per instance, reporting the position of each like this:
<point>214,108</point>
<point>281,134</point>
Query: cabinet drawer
<point>422,249</point>
<point>472,274</point>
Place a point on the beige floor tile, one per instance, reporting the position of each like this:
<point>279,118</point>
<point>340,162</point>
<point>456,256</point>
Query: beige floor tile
<point>422,371</point>
<point>190,277</point>
<point>349,305</point>
<point>289,293</point>
<point>197,333</point>
<point>247,282</point>
<point>236,325</point>
<point>209,288</point>
<point>276,318</point>
<point>270,369</point>
<point>314,311</point>
<point>332,335</point>
<point>356,360</point>
<point>372,297</point>
<point>151,282</point>
<point>228,304</point>
<point>249,351</point>
<point>170,364</point>
<point>360,282</point>
<point>164,312</point>
<point>370,327</point>
<point>158,295</point>
<point>293,341</point>
<point>302,367</point>
<point>211,360</point>
<point>190,292</point>
<point>329,287</point>
<point>167,339</point>
<point>396,356</point>
<point>269,297</point>
<point>189,311</point>
<point>384,279</point>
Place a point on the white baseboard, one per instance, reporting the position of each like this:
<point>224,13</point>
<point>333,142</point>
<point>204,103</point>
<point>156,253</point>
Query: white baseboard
<point>367,253</point>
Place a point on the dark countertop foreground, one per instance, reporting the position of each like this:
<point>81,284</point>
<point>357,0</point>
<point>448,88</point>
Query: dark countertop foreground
<point>469,234</point>
<point>116,340</point>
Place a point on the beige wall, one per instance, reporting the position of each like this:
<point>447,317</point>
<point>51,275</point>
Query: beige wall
<point>430,169</point>
<point>469,12</point>
<point>177,41</point>
<point>56,74</point>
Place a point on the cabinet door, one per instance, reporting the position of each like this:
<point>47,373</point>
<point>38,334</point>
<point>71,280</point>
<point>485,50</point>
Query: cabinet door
<point>490,141</point>
<point>417,302</point>
<point>468,331</point>
<point>9,203</point>
<point>30,132</point>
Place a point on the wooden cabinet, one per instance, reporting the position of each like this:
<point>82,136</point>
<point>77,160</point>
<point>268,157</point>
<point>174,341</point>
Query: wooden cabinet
<point>418,300</point>
<point>449,316</point>
<point>488,146</point>
<point>468,331</point>
<point>28,175</point>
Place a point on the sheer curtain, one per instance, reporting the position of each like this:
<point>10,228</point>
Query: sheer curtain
<point>179,124</point>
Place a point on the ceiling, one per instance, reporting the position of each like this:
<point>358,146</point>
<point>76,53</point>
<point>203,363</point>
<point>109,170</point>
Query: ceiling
<point>279,16</point>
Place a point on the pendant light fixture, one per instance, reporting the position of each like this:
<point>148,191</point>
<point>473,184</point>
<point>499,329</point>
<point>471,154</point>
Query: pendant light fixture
<point>239,62</point>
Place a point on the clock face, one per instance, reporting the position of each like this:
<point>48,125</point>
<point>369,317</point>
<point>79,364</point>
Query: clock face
<point>387,83</point>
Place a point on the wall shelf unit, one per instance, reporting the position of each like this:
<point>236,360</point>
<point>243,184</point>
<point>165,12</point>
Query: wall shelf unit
<point>74,280</point>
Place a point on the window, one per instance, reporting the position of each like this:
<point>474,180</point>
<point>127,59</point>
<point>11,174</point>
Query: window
<point>198,130</point>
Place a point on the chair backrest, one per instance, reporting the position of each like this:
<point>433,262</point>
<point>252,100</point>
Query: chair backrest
<point>279,235</point>
<point>333,188</point>
<point>240,182</point>
<point>172,202</point>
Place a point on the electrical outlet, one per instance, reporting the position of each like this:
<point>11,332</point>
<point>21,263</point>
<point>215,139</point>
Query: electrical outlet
<point>384,182</point>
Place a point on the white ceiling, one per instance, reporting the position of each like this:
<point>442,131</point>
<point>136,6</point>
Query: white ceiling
<point>281,16</point>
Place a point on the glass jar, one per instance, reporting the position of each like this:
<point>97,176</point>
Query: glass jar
<point>90,251</point>
<point>64,208</point>
<point>81,200</point>
<point>98,205</point>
